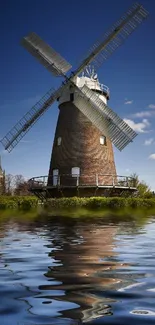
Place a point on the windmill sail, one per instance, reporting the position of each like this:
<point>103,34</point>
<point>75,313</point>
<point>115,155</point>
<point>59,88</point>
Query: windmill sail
<point>103,117</point>
<point>87,101</point>
<point>115,37</point>
<point>47,56</point>
<point>29,119</point>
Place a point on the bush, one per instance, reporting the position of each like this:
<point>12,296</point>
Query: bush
<point>92,203</point>
<point>112,203</point>
<point>18,202</point>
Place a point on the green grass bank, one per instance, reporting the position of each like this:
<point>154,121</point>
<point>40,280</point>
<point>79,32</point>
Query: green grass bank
<point>18,202</point>
<point>27,210</point>
<point>99,203</point>
<point>55,206</point>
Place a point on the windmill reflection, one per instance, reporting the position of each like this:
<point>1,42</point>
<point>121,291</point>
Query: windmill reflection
<point>81,257</point>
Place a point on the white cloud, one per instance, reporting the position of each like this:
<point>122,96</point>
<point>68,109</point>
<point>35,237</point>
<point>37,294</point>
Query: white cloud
<point>152,106</point>
<point>139,127</point>
<point>148,142</point>
<point>152,156</point>
<point>143,114</point>
<point>128,102</point>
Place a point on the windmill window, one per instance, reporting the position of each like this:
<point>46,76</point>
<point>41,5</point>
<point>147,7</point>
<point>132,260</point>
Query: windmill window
<point>103,140</point>
<point>55,177</point>
<point>75,171</point>
<point>59,139</point>
<point>72,97</point>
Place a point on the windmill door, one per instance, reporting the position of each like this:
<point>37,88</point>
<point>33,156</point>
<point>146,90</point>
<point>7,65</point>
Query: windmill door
<point>55,177</point>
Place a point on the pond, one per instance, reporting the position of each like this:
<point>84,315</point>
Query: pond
<point>72,272</point>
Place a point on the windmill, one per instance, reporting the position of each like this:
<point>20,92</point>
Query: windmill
<point>82,150</point>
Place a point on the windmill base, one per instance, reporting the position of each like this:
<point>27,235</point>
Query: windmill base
<point>100,186</point>
<point>58,192</point>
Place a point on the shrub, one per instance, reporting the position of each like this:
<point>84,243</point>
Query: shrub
<point>94,203</point>
<point>18,202</point>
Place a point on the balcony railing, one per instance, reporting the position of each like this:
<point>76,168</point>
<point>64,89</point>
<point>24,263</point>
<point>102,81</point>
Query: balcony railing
<point>67,180</point>
<point>105,89</point>
<point>92,84</point>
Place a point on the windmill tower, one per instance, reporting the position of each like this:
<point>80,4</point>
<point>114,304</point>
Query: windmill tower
<point>80,148</point>
<point>82,154</point>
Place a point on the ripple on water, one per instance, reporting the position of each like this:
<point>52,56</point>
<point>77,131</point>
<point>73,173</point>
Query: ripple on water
<point>62,273</point>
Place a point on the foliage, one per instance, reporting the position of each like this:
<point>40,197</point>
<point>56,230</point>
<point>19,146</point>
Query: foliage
<point>76,207</point>
<point>18,202</point>
<point>25,202</point>
<point>112,203</point>
<point>8,184</point>
<point>142,187</point>
<point>16,185</point>
<point>22,189</point>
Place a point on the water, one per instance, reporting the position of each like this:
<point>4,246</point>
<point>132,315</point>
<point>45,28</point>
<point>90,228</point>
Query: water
<point>75,272</point>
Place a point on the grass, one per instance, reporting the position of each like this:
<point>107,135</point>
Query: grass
<point>123,209</point>
<point>24,203</point>
<point>99,203</point>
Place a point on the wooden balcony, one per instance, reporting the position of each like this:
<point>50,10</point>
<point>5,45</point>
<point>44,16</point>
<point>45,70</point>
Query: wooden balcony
<point>83,185</point>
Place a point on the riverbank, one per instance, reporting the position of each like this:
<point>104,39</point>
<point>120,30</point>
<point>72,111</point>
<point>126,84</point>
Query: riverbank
<point>75,205</point>
<point>99,203</point>
<point>18,202</point>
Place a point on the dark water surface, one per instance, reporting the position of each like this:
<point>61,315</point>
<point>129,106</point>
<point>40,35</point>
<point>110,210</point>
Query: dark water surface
<point>75,272</point>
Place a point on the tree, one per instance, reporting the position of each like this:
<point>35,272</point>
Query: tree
<point>18,180</point>
<point>22,189</point>
<point>21,186</point>
<point>16,185</point>
<point>9,182</point>
<point>142,187</point>
<point>135,179</point>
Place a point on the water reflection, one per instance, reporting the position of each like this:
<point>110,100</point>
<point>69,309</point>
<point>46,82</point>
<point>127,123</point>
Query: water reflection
<point>81,257</point>
<point>70,272</point>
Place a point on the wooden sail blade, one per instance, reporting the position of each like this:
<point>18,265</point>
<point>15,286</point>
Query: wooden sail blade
<point>46,55</point>
<point>103,117</point>
<point>29,119</point>
<point>115,37</point>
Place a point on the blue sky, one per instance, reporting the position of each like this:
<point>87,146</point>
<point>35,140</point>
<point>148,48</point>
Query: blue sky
<point>71,27</point>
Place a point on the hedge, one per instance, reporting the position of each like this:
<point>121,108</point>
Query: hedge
<point>99,203</point>
<point>92,203</point>
<point>18,202</point>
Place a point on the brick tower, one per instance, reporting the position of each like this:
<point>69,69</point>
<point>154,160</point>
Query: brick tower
<point>79,148</point>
